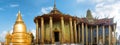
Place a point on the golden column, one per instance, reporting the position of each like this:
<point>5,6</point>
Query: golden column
<point>51,26</point>
<point>78,33</point>
<point>42,30</point>
<point>91,36</point>
<point>75,31</point>
<point>97,34</point>
<point>62,26</point>
<point>109,34</point>
<point>103,34</point>
<point>83,33</point>
<point>71,30</point>
<point>37,32</point>
<point>86,34</point>
<point>114,28</point>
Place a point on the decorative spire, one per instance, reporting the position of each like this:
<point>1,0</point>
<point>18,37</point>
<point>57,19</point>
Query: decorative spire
<point>19,17</point>
<point>54,5</point>
<point>19,25</point>
<point>89,15</point>
<point>55,11</point>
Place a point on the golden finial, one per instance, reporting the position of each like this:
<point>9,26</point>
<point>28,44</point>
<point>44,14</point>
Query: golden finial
<point>19,17</point>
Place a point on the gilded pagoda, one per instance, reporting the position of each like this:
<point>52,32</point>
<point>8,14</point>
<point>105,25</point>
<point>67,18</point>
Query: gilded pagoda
<point>19,35</point>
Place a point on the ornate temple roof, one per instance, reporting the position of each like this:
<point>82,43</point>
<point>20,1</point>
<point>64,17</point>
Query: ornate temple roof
<point>55,14</point>
<point>98,21</point>
<point>55,10</point>
<point>92,21</point>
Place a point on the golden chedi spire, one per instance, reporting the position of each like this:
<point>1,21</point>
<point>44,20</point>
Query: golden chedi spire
<point>20,35</point>
<point>19,25</point>
<point>19,18</point>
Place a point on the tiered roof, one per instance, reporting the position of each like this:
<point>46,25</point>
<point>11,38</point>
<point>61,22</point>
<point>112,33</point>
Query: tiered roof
<point>92,21</point>
<point>55,14</point>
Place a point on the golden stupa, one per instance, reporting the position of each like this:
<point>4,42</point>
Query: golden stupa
<point>19,25</point>
<point>19,35</point>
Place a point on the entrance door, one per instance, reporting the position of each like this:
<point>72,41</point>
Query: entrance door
<point>56,35</point>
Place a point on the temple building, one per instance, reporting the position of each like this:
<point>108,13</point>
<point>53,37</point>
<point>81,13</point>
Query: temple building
<point>96,31</point>
<point>55,27</point>
<point>19,35</point>
<point>58,27</point>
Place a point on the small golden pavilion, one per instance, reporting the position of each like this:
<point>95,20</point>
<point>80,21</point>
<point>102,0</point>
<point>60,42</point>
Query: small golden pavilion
<point>19,35</point>
<point>58,27</point>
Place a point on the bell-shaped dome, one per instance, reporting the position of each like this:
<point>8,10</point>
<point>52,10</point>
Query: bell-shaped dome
<point>19,25</point>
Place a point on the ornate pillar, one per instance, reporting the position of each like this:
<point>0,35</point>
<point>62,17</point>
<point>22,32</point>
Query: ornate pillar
<point>42,30</point>
<point>37,32</point>
<point>62,26</point>
<point>78,33</point>
<point>86,34</point>
<point>75,31</point>
<point>114,28</point>
<point>103,34</point>
<point>91,36</point>
<point>109,34</point>
<point>71,31</point>
<point>97,34</point>
<point>83,33</point>
<point>51,26</point>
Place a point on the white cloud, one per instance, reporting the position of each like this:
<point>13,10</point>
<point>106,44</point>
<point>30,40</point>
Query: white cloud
<point>14,5</point>
<point>109,9</point>
<point>96,1</point>
<point>46,10</point>
<point>99,1</point>
<point>2,35</point>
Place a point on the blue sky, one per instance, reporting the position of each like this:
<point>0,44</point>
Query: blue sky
<point>32,8</point>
